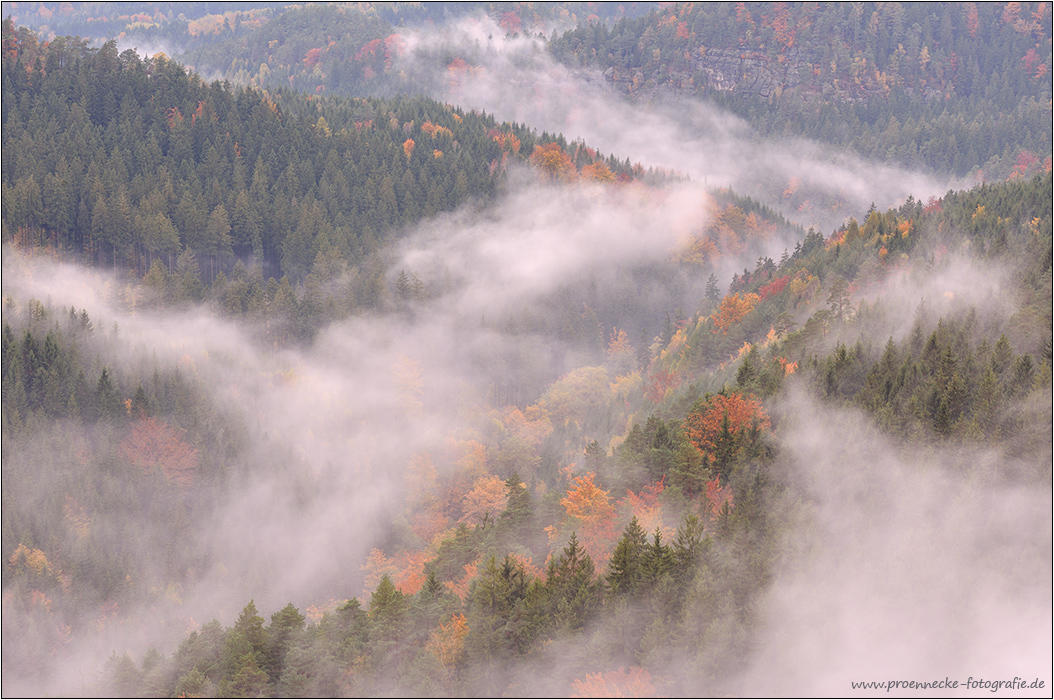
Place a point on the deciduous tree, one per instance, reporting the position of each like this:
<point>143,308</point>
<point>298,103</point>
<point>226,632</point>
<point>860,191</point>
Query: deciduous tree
<point>732,310</point>
<point>590,512</point>
<point>717,427</point>
<point>153,445</point>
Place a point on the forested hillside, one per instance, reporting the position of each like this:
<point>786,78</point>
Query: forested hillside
<point>956,88</point>
<point>371,394</point>
<point>226,171</point>
<point>952,87</point>
<point>635,505</point>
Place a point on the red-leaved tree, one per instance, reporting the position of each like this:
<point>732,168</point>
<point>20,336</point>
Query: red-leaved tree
<point>718,427</point>
<point>153,445</point>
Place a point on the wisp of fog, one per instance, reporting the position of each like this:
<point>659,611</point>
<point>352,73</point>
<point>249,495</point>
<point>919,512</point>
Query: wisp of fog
<point>330,429</point>
<point>903,565</point>
<point>517,80</point>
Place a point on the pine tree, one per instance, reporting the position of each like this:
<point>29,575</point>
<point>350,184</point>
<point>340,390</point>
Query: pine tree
<point>251,625</point>
<point>387,614</point>
<point>713,292</point>
<point>572,591</point>
<point>1002,355</point>
<point>839,298</point>
<point>516,521</point>
<point>688,548</point>
<point>286,625</point>
<point>107,401</point>
<point>658,560</point>
<point>626,568</point>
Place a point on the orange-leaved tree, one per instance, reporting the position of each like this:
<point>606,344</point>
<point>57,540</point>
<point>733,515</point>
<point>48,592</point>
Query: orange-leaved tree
<point>554,162</point>
<point>405,570</point>
<point>447,642</point>
<point>618,342</point>
<point>377,566</point>
<point>435,131</point>
<point>507,140</point>
<point>487,498</point>
<point>722,425</point>
<point>532,425</point>
<point>659,385</point>
<point>599,172</point>
<point>732,310</point>
<point>154,445</point>
<point>590,513</point>
<point>412,576</point>
<point>718,496</point>
<point>461,587</point>
<point>700,250</point>
<point>31,568</point>
<point>634,683</point>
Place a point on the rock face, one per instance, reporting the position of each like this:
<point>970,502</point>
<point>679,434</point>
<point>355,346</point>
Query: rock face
<point>748,73</point>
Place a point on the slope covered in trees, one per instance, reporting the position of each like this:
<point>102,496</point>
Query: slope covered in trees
<point>960,89</point>
<point>144,160</point>
<point>566,430</point>
<point>952,87</point>
<point>344,49</point>
<point>507,570</point>
<point>141,166</point>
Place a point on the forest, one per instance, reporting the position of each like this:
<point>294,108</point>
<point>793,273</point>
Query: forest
<point>568,349</point>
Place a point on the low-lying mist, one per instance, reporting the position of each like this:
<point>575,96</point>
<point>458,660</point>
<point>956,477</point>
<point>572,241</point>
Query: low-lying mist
<point>896,563</point>
<point>514,78</point>
<point>328,430</point>
<point>901,564</point>
<point>893,564</point>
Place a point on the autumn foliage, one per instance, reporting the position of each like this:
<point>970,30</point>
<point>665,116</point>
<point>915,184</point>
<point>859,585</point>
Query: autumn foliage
<point>457,70</point>
<point>33,566</point>
<point>599,172</point>
<point>705,425</point>
<point>507,140</point>
<point>510,22</point>
<point>447,642</point>
<point>390,47</point>
<point>311,58</point>
<point>586,501</point>
<point>774,287</point>
<point>659,384</point>
<point>732,310</point>
<point>701,251</point>
<point>553,162</point>
<point>462,587</point>
<point>531,425</point>
<point>405,570</point>
<point>153,445</point>
<point>488,497</point>
<point>634,683</point>
<point>590,513</point>
<point>645,505</point>
<point>436,131</point>
<point>618,343</point>
<point>718,496</point>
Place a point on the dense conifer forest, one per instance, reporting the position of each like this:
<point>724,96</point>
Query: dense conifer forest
<point>318,383</point>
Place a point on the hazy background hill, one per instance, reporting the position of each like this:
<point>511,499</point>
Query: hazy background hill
<point>961,89</point>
